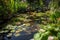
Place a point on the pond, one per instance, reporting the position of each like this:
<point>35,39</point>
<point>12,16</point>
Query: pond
<point>22,35</point>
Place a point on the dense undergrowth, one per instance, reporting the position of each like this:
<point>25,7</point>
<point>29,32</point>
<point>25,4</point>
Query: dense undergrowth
<point>45,14</point>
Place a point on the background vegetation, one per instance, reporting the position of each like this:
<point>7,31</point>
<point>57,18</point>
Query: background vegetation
<point>44,13</point>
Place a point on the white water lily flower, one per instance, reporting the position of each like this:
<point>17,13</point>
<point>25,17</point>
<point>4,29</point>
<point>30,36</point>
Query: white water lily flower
<point>42,30</point>
<point>31,39</point>
<point>50,38</point>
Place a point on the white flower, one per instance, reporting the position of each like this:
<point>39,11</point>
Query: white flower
<point>42,30</point>
<point>50,38</point>
<point>31,39</point>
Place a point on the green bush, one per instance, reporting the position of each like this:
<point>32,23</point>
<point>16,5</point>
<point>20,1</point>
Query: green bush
<point>51,28</point>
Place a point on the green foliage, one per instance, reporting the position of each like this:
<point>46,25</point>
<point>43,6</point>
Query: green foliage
<point>9,7</point>
<point>52,27</point>
<point>57,14</point>
<point>41,36</point>
<point>49,30</point>
<point>58,34</point>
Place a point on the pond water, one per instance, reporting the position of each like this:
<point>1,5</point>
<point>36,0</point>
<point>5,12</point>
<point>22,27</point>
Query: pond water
<point>23,35</point>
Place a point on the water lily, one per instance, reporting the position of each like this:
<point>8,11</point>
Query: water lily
<point>42,30</point>
<point>50,38</point>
